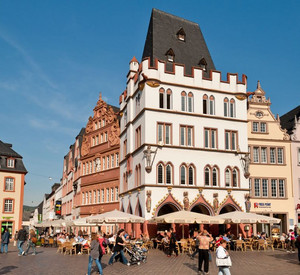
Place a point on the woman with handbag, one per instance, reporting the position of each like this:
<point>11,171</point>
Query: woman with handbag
<point>223,260</point>
<point>31,242</point>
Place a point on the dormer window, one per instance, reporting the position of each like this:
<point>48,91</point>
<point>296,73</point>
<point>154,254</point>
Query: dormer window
<point>10,163</point>
<point>203,64</point>
<point>181,35</point>
<point>170,55</point>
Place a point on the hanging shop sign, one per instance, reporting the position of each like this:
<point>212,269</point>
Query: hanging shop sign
<point>58,208</point>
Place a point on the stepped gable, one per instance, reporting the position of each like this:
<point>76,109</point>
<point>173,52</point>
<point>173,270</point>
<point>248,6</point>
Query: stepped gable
<point>287,121</point>
<point>172,35</point>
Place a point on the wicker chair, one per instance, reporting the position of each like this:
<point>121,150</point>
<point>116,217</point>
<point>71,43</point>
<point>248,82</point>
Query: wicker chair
<point>51,242</point>
<point>60,247</point>
<point>269,244</point>
<point>85,249</point>
<point>249,244</point>
<point>239,245</point>
<point>69,248</point>
<point>261,244</point>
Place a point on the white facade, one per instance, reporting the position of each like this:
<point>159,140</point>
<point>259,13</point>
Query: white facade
<point>183,112</point>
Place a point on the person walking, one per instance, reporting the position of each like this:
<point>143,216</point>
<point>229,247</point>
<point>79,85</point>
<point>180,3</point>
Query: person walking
<point>94,255</point>
<point>102,245</point>
<point>15,238</point>
<point>118,248</point>
<point>31,242</point>
<point>172,246</point>
<point>204,239</point>
<point>291,241</point>
<point>196,248</point>
<point>5,241</point>
<point>222,253</point>
<point>297,243</point>
<point>21,238</point>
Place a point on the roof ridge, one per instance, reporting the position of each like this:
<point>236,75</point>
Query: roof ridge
<point>175,16</point>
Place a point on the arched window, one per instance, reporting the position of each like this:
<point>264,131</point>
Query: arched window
<point>183,101</point>
<point>205,103</point>
<point>215,176</point>
<point>191,175</point>
<point>207,176</point>
<point>226,106</point>
<point>169,99</point>
<point>190,102</point>
<point>160,173</point>
<point>211,105</point>
<point>169,174</point>
<point>182,174</point>
<point>161,97</point>
<point>232,108</point>
<point>234,178</point>
<point>227,177</point>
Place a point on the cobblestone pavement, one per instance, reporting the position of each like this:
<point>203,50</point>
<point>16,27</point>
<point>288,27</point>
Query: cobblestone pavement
<point>47,261</point>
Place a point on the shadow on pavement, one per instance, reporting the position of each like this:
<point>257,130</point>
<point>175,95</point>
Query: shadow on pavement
<point>191,266</point>
<point>6,269</point>
<point>288,257</point>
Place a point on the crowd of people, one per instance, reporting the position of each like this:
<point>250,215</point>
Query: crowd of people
<point>167,241</point>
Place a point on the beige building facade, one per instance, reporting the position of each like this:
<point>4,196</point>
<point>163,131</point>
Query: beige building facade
<point>270,165</point>
<point>12,181</point>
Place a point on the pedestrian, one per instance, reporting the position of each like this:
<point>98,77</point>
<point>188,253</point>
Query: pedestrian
<point>22,237</point>
<point>196,248</point>
<point>94,255</point>
<point>102,246</point>
<point>297,243</point>
<point>5,240</point>
<point>223,260</point>
<point>204,239</point>
<point>291,241</point>
<point>15,238</point>
<point>31,242</point>
<point>172,246</point>
<point>118,248</point>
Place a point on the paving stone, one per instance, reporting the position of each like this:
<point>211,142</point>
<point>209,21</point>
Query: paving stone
<point>47,261</point>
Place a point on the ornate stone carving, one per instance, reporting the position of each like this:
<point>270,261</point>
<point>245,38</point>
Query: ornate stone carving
<point>114,134</point>
<point>216,202</point>
<point>247,203</point>
<point>85,148</point>
<point>186,201</point>
<point>89,125</point>
<point>148,201</point>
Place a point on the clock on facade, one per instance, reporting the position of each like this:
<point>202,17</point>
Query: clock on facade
<point>259,114</point>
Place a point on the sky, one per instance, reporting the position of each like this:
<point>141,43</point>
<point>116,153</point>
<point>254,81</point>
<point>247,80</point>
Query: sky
<point>56,56</point>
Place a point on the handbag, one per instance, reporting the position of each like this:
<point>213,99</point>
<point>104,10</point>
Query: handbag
<point>224,261</point>
<point>34,239</point>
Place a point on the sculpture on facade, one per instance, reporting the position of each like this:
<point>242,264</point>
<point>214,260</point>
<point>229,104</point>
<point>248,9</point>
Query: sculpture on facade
<point>216,202</point>
<point>147,154</point>
<point>246,163</point>
<point>186,201</point>
<point>98,168</point>
<point>247,203</point>
<point>148,201</point>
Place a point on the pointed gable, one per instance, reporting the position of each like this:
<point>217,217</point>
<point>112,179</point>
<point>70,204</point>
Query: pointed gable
<point>167,31</point>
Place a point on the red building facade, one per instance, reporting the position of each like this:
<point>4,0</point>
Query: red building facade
<point>100,161</point>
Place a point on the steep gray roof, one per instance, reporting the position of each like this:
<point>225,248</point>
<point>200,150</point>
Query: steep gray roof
<point>5,152</point>
<point>287,121</point>
<point>162,36</point>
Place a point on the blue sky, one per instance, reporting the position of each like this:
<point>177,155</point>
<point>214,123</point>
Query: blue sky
<point>56,56</point>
